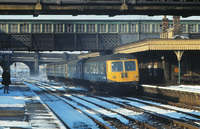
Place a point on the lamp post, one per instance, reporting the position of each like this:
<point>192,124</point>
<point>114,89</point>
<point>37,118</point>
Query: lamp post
<point>179,55</point>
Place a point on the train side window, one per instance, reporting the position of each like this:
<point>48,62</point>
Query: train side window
<point>88,68</point>
<point>130,66</point>
<point>117,66</point>
<point>91,68</point>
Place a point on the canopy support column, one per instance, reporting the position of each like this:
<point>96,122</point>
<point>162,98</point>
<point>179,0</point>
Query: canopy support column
<point>179,55</point>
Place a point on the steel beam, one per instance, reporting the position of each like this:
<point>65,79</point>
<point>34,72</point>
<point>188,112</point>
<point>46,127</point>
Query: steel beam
<point>98,9</point>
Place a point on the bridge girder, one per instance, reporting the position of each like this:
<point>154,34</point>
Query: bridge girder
<point>98,9</point>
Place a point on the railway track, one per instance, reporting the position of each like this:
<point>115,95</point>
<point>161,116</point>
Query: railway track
<point>117,107</point>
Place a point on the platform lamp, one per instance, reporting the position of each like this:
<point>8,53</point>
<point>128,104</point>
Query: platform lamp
<point>163,63</point>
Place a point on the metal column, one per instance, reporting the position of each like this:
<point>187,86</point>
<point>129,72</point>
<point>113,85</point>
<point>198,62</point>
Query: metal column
<point>179,55</point>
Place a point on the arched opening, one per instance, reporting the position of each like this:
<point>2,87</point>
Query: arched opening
<point>19,70</point>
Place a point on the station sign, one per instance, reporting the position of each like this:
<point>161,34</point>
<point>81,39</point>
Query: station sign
<point>6,52</point>
<point>176,70</point>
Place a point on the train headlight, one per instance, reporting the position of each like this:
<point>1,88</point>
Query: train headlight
<point>114,77</point>
<point>135,76</point>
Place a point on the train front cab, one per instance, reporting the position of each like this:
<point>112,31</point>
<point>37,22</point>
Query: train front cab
<point>123,71</point>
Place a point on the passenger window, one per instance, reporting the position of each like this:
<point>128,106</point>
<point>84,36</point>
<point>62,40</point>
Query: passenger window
<point>117,66</point>
<point>130,66</point>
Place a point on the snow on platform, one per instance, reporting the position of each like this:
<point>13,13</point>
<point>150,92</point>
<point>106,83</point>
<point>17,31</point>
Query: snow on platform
<point>188,94</point>
<point>21,108</point>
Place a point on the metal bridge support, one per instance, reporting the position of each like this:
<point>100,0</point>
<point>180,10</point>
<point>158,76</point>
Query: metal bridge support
<point>179,55</point>
<point>34,69</point>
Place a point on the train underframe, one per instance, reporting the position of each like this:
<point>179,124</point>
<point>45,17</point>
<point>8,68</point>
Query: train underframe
<point>115,88</point>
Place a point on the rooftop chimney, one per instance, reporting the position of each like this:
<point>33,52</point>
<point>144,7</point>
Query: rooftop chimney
<point>165,24</point>
<point>176,25</point>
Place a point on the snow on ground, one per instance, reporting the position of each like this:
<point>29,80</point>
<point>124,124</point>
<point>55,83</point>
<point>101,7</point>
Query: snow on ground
<point>69,115</point>
<point>195,112</point>
<point>129,113</point>
<point>96,108</point>
<point>14,99</point>
<point>17,99</point>
<point>169,113</point>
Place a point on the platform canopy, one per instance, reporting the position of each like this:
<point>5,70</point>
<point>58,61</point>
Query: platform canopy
<point>159,44</point>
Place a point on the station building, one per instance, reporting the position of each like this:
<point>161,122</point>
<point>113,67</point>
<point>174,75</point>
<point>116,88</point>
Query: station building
<point>172,59</point>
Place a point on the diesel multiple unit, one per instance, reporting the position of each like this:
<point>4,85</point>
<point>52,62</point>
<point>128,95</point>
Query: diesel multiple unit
<point>109,69</point>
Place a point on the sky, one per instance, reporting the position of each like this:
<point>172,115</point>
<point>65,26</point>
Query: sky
<point>94,17</point>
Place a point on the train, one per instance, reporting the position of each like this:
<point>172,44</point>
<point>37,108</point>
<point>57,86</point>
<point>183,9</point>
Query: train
<point>113,72</point>
<point>129,2</point>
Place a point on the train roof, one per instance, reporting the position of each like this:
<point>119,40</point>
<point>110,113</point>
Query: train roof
<point>111,57</point>
<point>76,61</point>
<point>56,63</point>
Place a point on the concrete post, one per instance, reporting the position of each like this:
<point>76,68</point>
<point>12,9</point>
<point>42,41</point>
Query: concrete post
<point>35,70</point>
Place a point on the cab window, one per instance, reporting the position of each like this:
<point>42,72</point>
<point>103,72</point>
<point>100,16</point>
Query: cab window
<point>130,66</point>
<point>117,66</point>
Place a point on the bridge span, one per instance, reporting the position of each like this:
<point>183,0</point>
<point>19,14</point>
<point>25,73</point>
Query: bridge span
<point>83,35</point>
<point>100,7</point>
<point>34,59</point>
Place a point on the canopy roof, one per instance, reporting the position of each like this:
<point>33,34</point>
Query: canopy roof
<point>159,44</point>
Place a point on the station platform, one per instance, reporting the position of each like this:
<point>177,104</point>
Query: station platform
<point>187,94</point>
<point>21,108</point>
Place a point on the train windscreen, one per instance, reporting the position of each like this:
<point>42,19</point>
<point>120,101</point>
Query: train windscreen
<point>130,66</point>
<point>117,66</point>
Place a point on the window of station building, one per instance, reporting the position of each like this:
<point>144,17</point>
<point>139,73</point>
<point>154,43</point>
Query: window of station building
<point>47,28</point>
<point>13,28</point>
<point>145,28</point>
<point>132,28</point>
<point>80,28</point>
<point>123,28</point>
<point>91,28</point>
<point>36,28</point>
<point>102,28</point>
<point>24,28</point>
<point>192,28</point>
<point>3,28</point>
<point>184,28</point>
<point>112,28</point>
<point>157,28</point>
<point>58,28</point>
<point>69,28</point>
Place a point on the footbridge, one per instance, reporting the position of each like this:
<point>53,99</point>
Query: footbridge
<point>82,35</point>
